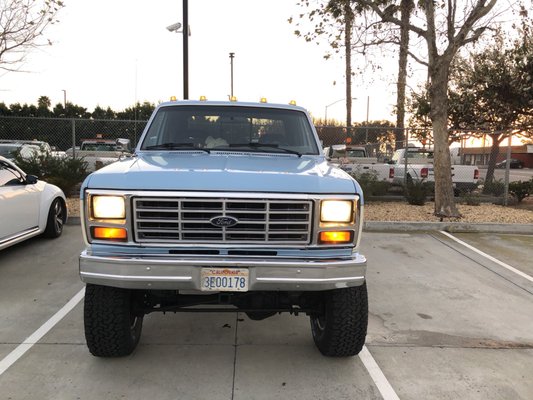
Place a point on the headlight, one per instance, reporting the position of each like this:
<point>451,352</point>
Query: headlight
<point>108,207</point>
<point>336,211</point>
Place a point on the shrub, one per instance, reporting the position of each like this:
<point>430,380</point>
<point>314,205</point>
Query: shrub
<point>66,173</point>
<point>496,187</point>
<point>471,198</point>
<point>371,185</point>
<point>520,190</point>
<point>416,192</point>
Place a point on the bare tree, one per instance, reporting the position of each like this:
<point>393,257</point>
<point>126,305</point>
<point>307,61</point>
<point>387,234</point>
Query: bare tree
<point>446,26</point>
<point>334,20</point>
<point>346,19</point>
<point>22,24</point>
<point>406,8</point>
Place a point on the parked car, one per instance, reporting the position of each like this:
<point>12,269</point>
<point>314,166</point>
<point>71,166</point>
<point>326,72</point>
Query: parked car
<point>28,149</point>
<point>514,163</point>
<point>100,152</point>
<point>10,150</point>
<point>28,206</point>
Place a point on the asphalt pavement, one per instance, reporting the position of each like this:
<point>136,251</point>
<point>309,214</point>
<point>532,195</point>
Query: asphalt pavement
<point>450,318</point>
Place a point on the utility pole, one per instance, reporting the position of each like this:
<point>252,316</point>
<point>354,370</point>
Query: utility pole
<point>185,50</point>
<point>231,57</point>
<point>64,98</point>
<point>367,110</point>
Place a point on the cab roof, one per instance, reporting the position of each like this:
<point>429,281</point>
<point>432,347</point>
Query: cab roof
<point>200,103</point>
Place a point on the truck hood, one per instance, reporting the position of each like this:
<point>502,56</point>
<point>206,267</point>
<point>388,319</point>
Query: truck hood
<point>230,172</point>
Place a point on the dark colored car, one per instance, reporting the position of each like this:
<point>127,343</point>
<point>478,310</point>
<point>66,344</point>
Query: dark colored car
<point>513,164</point>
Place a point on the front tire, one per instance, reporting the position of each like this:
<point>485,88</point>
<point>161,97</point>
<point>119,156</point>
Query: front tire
<point>57,215</point>
<point>112,322</point>
<point>340,329</point>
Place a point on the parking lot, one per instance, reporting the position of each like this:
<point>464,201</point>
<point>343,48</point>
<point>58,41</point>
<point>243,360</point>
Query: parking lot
<point>446,322</point>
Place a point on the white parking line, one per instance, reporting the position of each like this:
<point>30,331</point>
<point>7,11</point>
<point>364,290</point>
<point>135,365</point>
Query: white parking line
<point>22,348</point>
<point>500,263</point>
<point>380,380</point>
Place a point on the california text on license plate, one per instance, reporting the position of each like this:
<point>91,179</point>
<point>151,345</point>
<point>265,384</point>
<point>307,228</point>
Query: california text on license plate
<point>224,279</point>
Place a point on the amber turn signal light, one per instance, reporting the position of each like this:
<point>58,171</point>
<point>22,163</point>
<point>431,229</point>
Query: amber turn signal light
<point>335,237</point>
<point>103,233</point>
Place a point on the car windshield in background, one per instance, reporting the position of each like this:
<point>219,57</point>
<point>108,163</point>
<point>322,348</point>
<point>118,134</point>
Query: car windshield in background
<point>9,150</point>
<point>230,128</point>
<point>419,154</point>
<point>351,153</point>
<point>99,146</point>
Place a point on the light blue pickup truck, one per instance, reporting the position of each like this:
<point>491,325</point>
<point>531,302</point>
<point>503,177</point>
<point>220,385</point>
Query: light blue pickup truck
<point>227,206</point>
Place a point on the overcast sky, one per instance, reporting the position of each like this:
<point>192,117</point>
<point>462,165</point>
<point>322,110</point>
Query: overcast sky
<point>112,53</point>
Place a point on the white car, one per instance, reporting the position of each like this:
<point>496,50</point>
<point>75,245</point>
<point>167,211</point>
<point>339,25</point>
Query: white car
<point>28,149</point>
<point>28,206</point>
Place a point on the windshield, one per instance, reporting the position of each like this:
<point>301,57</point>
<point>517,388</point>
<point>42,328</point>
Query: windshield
<point>8,150</point>
<point>230,128</point>
<point>350,153</point>
<point>98,146</point>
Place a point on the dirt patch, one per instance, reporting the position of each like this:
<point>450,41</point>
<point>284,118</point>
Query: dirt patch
<point>399,211</point>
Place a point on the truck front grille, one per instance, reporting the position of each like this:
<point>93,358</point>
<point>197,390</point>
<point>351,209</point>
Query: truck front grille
<point>188,220</point>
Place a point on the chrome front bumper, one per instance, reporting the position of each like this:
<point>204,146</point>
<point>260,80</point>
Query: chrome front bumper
<point>152,272</point>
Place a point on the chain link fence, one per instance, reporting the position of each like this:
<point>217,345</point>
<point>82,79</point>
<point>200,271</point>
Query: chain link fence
<point>63,134</point>
<point>501,168</point>
<point>486,166</point>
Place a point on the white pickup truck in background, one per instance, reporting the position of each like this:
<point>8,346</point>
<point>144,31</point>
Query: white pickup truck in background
<point>417,162</point>
<point>355,161</point>
<point>100,152</point>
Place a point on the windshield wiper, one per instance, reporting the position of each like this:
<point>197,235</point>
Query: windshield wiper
<point>254,145</point>
<point>175,146</point>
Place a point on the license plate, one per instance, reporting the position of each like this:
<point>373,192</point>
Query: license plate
<point>224,279</point>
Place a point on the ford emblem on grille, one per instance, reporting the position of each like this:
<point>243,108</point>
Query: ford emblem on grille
<point>224,222</point>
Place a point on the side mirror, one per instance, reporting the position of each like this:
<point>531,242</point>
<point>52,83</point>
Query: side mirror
<point>31,179</point>
<point>123,144</point>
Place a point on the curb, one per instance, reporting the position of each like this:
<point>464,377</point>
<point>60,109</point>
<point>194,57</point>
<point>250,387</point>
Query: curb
<point>386,226</point>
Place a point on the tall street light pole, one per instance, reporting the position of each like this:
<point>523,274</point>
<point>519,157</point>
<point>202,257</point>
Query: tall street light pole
<point>329,105</point>
<point>64,99</point>
<point>231,56</point>
<point>185,49</point>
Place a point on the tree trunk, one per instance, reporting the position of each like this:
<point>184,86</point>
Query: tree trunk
<point>438,95</point>
<point>494,151</point>
<point>348,21</point>
<point>406,7</point>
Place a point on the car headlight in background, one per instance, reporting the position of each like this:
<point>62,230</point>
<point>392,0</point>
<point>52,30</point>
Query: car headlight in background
<point>108,207</point>
<point>336,211</point>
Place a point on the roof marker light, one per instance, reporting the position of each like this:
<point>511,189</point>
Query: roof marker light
<point>292,102</point>
<point>263,100</point>
<point>203,98</point>
<point>172,98</point>
<point>233,98</point>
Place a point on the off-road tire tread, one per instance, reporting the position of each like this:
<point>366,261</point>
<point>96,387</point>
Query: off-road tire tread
<point>346,322</point>
<point>107,321</point>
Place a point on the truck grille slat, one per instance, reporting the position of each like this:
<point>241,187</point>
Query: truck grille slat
<point>188,220</point>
